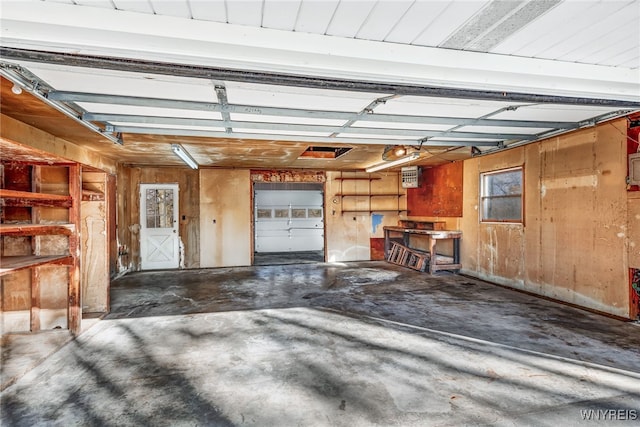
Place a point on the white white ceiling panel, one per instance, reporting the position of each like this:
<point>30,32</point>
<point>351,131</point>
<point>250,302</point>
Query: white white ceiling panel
<point>209,10</point>
<point>288,119</point>
<point>395,125</point>
<point>303,98</point>
<point>618,39</point>
<point>560,16</point>
<point>95,3</point>
<point>448,21</point>
<point>148,111</point>
<point>179,8</point>
<point>552,112</point>
<point>498,129</point>
<point>315,15</point>
<point>347,135</point>
<point>133,6</point>
<point>280,14</point>
<point>629,58</point>
<point>586,18</point>
<point>593,35</point>
<point>247,12</point>
<point>161,126</point>
<point>275,133</point>
<point>349,17</point>
<point>423,106</point>
<point>382,19</point>
<point>414,21</point>
<point>80,79</point>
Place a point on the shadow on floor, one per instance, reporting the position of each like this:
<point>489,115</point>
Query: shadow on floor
<point>284,258</point>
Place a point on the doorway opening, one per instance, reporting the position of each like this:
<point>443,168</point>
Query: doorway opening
<point>288,223</point>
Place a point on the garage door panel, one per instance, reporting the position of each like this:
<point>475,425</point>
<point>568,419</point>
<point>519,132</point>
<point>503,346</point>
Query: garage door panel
<point>289,220</point>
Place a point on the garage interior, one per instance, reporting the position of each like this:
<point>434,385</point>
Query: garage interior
<point>320,212</point>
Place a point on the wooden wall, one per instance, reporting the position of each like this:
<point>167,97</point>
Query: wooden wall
<point>16,287</point>
<point>128,200</point>
<point>94,245</point>
<point>349,234</point>
<point>440,192</point>
<point>225,218</point>
<point>573,243</point>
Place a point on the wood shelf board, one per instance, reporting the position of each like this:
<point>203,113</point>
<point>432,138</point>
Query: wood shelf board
<point>17,198</point>
<point>9,264</point>
<point>36,229</point>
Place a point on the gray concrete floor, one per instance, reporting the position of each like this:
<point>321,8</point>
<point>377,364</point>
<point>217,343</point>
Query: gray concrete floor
<point>281,258</point>
<point>353,344</point>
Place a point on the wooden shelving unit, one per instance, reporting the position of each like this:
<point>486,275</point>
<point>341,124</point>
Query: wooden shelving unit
<point>369,195</point>
<point>29,224</point>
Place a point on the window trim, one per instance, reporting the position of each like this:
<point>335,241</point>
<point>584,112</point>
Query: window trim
<point>482,197</point>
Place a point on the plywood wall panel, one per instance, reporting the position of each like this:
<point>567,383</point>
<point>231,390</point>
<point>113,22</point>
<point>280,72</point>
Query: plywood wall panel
<point>633,233</point>
<point>128,198</point>
<point>16,302</point>
<point>573,243</point>
<point>94,249</point>
<point>225,218</point>
<point>53,297</point>
<point>349,234</point>
<point>440,192</point>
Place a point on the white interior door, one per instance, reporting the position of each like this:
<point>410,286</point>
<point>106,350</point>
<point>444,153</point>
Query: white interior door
<point>159,238</point>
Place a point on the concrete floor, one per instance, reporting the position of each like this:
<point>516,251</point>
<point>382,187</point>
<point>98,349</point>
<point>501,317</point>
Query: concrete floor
<point>352,344</point>
<point>281,258</point>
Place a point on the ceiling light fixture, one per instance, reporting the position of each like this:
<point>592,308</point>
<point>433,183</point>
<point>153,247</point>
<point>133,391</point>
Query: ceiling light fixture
<point>400,150</point>
<point>411,157</point>
<point>184,156</point>
<point>16,89</point>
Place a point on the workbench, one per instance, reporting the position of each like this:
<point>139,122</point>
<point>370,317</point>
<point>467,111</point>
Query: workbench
<point>397,242</point>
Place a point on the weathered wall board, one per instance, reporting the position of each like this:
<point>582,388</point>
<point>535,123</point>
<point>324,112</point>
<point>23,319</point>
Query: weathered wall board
<point>573,243</point>
<point>352,221</point>
<point>225,218</point>
<point>94,246</point>
<point>129,180</point>
<point>440,192</point>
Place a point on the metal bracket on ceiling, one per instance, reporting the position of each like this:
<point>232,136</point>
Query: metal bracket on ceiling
<point>221,93</point>
<point>365,111</point>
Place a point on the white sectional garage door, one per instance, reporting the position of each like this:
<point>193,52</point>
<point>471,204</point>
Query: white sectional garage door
<point>289,220</point>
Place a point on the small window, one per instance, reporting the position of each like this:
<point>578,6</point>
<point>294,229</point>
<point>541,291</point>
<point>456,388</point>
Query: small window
<point>264,213</point>
<point>315,213</point>
<point>501,196</point>
<point>298,213</point>
<point>282,213</point>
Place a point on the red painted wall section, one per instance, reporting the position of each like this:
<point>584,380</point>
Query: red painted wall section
<point>377,248</point>
<point>440,192</point>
